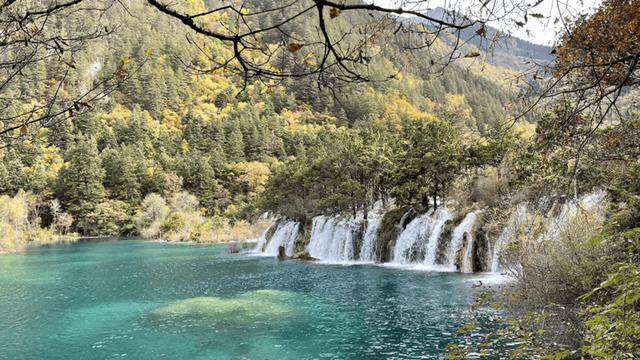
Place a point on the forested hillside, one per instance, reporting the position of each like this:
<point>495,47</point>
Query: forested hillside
<point>172,128</point>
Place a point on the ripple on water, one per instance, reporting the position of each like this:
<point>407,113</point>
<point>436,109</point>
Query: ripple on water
<point>159,301</point>
<point>105,321</point>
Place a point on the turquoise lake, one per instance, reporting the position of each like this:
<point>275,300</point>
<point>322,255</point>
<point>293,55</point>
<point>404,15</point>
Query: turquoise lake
<point>149,300</point>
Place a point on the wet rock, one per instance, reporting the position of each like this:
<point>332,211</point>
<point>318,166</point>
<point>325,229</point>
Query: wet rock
<point>282,254</point>
<point>304,255</point>
<point>234,248</point>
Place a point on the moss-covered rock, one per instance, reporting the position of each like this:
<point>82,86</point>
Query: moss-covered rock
<point>304,236</point>
<point>445,241</point>
<point>393,222</point>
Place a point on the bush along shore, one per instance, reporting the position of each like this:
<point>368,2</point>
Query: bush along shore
<point>21,223</point>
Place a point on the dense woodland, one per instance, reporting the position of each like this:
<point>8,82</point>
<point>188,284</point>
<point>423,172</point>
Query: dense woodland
<point>170,129</point>
<point>182,154</point>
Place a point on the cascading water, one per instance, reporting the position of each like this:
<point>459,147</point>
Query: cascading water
<point>333,239</point>
<point>418,243</point>
<point>437,226</point>
<point>410,236</point>
<point>507,234</point>
<point>368,250</point>
<point>570,210</point>
<point>457,240</point>
<point>285,235</point>
<point>263,240</point>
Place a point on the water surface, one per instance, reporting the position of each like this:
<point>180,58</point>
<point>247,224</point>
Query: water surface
<point>146,300</point>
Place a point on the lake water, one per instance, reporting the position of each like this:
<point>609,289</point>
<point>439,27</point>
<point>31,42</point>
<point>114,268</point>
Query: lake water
<point>146,300</point>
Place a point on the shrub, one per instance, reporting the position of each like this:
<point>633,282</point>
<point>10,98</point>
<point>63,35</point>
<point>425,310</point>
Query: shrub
<point>20,223</point>
<point>173,223</point>
<point>109,218</point>
<point>613,327</point>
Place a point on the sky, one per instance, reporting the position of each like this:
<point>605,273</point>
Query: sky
<point>538,31</point>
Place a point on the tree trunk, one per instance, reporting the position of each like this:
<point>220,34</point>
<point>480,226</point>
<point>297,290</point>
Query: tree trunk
<point>435,197</point>
<point>425,201</point>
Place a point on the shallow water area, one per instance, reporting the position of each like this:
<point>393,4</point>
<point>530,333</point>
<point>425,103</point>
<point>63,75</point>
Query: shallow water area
<point>153,300</point>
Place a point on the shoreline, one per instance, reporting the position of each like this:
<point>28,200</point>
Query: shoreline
<point>68,240</point>
<point>59,240</point>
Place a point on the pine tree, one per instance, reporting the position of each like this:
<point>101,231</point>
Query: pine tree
<point>79,186</point>
<point>234,148</point>
<point>120,176</point>
<point>200,180</point>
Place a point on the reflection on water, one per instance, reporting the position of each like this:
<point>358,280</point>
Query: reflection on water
<point>145,300</point>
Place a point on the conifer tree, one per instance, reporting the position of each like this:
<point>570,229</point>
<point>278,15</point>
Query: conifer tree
<point>120,176</point>
<point>79,186</point>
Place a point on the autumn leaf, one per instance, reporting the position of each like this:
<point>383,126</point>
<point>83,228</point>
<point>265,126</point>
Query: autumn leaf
<point>472,54</point>
<point>537,16</point>
<point>310,60</point>
<point>334,13</point>
<point>293,47</point>
<point>24,130</point>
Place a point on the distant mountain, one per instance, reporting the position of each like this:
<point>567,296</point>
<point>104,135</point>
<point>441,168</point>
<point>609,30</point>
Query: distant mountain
<point>507,51</point>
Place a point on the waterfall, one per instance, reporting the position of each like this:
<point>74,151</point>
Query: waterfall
<point>285,235</point>
<point>507,234</point>
<point>556,225</point>
<point>263,240</point>
<point>437,226</point>
<point>410,236</point>
<point>568,212</point>
<point>333,239</point>
<point>593,200</point>
<point>467,260</point>
<point>457,239</point>
<point>419,240</point>
<point>368,250</point>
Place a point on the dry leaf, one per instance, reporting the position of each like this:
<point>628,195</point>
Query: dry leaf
<point>293,47</point>
<point>334,13</point>
<point>472,54</point>
<point>481,31</point>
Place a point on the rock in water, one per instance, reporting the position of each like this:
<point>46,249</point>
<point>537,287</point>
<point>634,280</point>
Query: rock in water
<point>304,255</point>
<point>234,248</point>
<point>282,254</point>
<point>246,309</point>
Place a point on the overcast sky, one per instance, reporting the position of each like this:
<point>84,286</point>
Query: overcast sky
<point>537,31</point>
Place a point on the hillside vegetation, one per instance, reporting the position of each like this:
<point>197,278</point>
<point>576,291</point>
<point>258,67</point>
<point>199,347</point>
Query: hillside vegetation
<point>204,143</point>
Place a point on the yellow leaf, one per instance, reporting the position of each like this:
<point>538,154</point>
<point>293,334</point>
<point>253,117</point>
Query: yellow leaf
<point>310,60</point>
<point>293,47</point>
<point>334,13</point>
<point>149,52</point>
